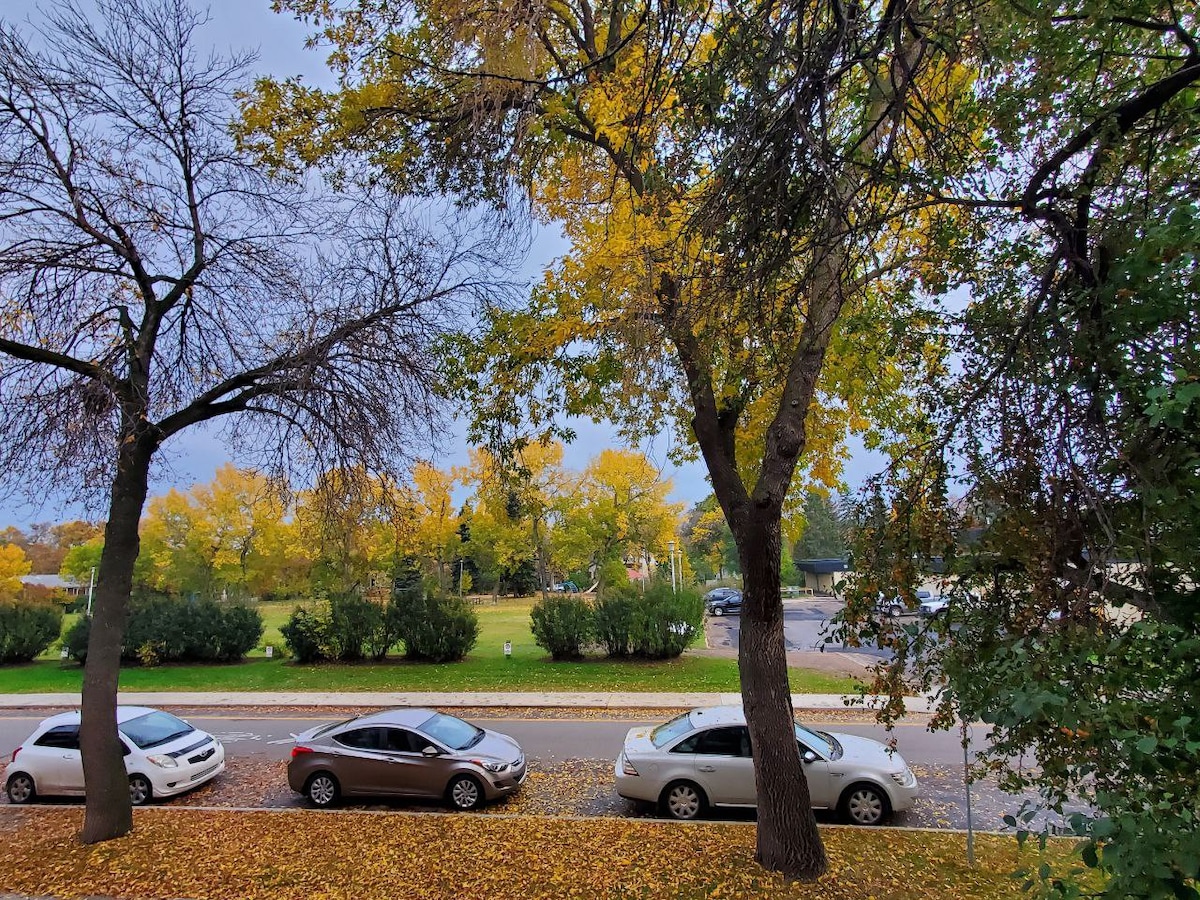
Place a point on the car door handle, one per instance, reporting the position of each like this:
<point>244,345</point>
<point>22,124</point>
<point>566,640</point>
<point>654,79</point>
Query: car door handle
<point>707,768</point>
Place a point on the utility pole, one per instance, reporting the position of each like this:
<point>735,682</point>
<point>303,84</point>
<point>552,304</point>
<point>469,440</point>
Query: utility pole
<point>671,553</point>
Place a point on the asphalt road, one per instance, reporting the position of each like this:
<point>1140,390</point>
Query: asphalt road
<point>548,740</point>
<point>805,627</point>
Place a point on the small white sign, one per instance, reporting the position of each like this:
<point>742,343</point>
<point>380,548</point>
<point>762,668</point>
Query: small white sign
<point>508,648</point>
<point>270,651</point>
<point>64,654</point>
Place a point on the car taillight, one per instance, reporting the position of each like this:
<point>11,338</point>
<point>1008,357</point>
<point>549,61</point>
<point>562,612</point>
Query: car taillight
<point>297,750</point>
<point>627,767</point>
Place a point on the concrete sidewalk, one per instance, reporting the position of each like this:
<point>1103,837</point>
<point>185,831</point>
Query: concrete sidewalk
<point>591,700</point>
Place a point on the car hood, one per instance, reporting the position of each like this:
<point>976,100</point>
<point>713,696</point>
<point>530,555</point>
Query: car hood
<point>494,746</point>
<point>866,752</point>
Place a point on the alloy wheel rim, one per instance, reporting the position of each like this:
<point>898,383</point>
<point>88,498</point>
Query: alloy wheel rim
<point>466,794</point>
<point>321,791</point>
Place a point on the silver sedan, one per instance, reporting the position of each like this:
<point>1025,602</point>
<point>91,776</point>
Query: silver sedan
<point>703,758</point>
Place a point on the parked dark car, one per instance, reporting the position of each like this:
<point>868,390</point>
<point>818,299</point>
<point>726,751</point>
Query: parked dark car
<point>416,753</point>
<point>723,601</point>
<point>565,587</point>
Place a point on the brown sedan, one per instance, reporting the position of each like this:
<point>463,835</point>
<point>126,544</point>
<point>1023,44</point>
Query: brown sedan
<point>415,753</point>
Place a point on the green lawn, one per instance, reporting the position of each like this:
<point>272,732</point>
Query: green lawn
<point>485,669</point>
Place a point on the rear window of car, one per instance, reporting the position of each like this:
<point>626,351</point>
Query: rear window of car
<point>668,731</point>
<point>154,729</point>
<point>61,737</point>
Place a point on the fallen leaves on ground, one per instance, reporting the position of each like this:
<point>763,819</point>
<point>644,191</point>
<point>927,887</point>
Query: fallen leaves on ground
<point>215,855</point>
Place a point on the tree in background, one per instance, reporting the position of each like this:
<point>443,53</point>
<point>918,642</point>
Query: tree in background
<point>708,541</point>
<point>152,278</point>
<point>217,539</point>
<point>47,545</point>
<point>13,564</point>
<point>617,511</point>
<point>823,535</point>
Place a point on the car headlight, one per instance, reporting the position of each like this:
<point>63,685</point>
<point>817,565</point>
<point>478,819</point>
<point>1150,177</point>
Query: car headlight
<point>491,765</point>
<point>905,778</point>
<point>163,762</point>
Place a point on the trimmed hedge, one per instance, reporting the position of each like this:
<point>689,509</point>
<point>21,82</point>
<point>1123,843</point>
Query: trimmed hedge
<point>563,625</point>
<point>27,629</point>
<point>351,627</point>
<point>659,624</point>
<point>162,629</point>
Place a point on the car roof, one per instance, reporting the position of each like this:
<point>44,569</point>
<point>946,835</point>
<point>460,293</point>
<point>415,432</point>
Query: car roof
<point>124,714</point>
<point>405,717</point>
<point>705,716</point>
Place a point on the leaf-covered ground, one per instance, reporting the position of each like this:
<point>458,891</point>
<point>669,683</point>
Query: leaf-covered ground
<point>354,854</point>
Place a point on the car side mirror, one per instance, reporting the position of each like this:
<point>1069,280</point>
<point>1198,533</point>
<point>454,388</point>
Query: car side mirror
<point>431,751</point>
<point>809,757</point>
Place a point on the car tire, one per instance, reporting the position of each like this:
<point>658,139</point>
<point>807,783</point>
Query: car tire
<point>718,610</point>
<point>140,790</point>
<point>323,790</point>
<point>465,793</point>
<point>895,610</point>
<point>864,804</point>
<point>683,800</point>
<point>20,788</point>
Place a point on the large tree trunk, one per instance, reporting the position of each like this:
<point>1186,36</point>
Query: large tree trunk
<point>788,840</point>
<point>109,813</point>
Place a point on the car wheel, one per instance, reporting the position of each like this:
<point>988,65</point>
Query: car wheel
<point>718,610</point>
<point>864,804</point>
<point>465,792</point>
<point>323,790</point>
<point>895,610</point>
<point>21,789</point>
<point>140,790</point>
<point>684,800</point>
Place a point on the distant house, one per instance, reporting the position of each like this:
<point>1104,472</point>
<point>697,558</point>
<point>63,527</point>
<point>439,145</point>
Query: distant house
<point>820,574</point>
<point>68,586</point>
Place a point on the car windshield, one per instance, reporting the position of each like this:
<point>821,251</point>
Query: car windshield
<point>819,740</point>
<point>155,728</point>
<point>454,733</point>
<point>668,731</point>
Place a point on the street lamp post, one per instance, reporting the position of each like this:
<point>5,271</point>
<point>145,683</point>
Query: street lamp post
<point>671,553</point>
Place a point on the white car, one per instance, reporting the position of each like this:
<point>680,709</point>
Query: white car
<point>702,758</point>
<point>934,606</point>
<point>164,756</point>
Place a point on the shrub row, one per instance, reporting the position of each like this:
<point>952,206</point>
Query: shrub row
<point>624,622</point>
<point>27,629</point>
<point>162,629</point>
<point>351,627</point>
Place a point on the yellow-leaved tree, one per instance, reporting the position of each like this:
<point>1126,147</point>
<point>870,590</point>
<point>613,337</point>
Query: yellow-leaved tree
<point>13,564</point>
<point>748,197</point>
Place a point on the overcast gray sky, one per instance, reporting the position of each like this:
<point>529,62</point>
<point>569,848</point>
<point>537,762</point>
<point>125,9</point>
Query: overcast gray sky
<point>195,456</point>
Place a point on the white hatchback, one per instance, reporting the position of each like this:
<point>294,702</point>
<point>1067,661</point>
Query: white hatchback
<point>703,758</point>
<point>164,756</point>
